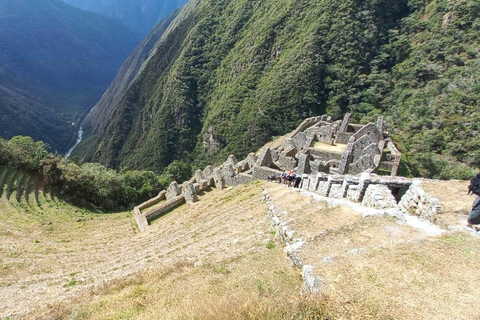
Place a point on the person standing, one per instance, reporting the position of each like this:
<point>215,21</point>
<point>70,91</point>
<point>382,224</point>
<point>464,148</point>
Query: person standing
<point>474,188</point>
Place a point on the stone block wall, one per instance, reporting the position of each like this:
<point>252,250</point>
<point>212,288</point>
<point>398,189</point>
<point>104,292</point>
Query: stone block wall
<point>379,196</point>
<point>262,173</point>
<point>416,201</point>
<point>164,207</point>
<point>343,137</point>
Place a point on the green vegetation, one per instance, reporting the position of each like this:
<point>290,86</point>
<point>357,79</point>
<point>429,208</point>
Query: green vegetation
<point>56,61</point>
<point>234,73</point>
<point>88,184</point>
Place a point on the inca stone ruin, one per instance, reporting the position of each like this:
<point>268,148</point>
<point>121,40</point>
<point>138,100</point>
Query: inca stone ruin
<point>336,159</point>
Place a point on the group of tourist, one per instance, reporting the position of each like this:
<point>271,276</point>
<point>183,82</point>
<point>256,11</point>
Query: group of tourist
<point>290,179</point>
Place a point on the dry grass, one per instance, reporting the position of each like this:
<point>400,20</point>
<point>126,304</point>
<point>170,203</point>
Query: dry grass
<point>435,279</point>
<point>454,200</point>
<point>257,286</point>
<point>217,259</point>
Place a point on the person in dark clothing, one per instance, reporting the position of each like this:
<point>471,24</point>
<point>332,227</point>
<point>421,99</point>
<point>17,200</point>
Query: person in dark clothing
<point>297,181</point>
<point>474,188</point>
<point>474,216</point>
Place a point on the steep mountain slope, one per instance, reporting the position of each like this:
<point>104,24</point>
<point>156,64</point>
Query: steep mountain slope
<point>55,61</point>
<point>104,109</point>
<point>141,14</point>
<point>230,75</point>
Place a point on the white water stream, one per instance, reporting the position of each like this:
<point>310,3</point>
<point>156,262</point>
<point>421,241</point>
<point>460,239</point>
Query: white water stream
<point>79,136</point>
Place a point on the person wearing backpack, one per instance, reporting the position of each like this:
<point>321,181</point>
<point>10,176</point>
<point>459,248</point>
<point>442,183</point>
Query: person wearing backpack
<point>474,188</point>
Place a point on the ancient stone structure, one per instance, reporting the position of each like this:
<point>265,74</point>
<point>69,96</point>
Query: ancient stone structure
<point>320,145</point>
<point>335,160</point>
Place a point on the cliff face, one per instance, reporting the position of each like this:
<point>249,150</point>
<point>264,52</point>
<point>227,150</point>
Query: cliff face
<point>229,75</point>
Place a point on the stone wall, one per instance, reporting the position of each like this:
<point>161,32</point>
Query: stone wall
<point>262,173</point>
<point>164,207</point>
<point>296,153</point>
<point>324,155</point>
<point>416,201</point>
<point>343,137</point>
<point>379,196</point>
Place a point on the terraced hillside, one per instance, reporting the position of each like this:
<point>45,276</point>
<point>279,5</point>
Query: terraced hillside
<point>219,259</point>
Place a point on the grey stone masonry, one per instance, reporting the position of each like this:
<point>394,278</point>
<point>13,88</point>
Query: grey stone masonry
<point>219,179</point>
<point>347,156</point>
<point>164,207</point>
<point>381,124</point>
<point>345,123</point>
<point>379,196</point>
<point>300,141</point>
<point>173,190</point>
<point>208,172</point>
<point>335,190</point>
<point>417,201</point>
<point>307,182</point>
<point>141,219</point>
<point>286,163</point>
<point>264,158</point>
<point>251,159</point>
<point>356,193</point>
<point>231,160</point>
<point>161,196</point>
<point>189,193</point>
<point>274,155</point>
<point>199,176</point>
<point>303,164</point>
<point>348,182</point>
<point>262,173</point>
<point>242,166</point>
<point>242,178</point>
<point>228,172</point>
<point>289,148</point>
<point>299,151</point>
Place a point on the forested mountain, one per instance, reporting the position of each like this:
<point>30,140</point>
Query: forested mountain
<point>55,62</point>
<point>104,109</point>
<point>228,75</point>
<point>141,14</point>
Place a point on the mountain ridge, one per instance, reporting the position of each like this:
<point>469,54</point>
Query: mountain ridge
<point>140,14</point>
<point>58,59</point>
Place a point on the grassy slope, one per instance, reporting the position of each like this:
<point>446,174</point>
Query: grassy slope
<point>218,260</point>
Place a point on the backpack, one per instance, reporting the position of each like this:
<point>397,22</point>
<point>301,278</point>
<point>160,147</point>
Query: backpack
<point>474,186</point>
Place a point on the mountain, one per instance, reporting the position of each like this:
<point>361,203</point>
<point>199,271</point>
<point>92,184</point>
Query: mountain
<point>55,62</point>
<point>141,14</point>
<point>104,109</point>
<point>226,76</point>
